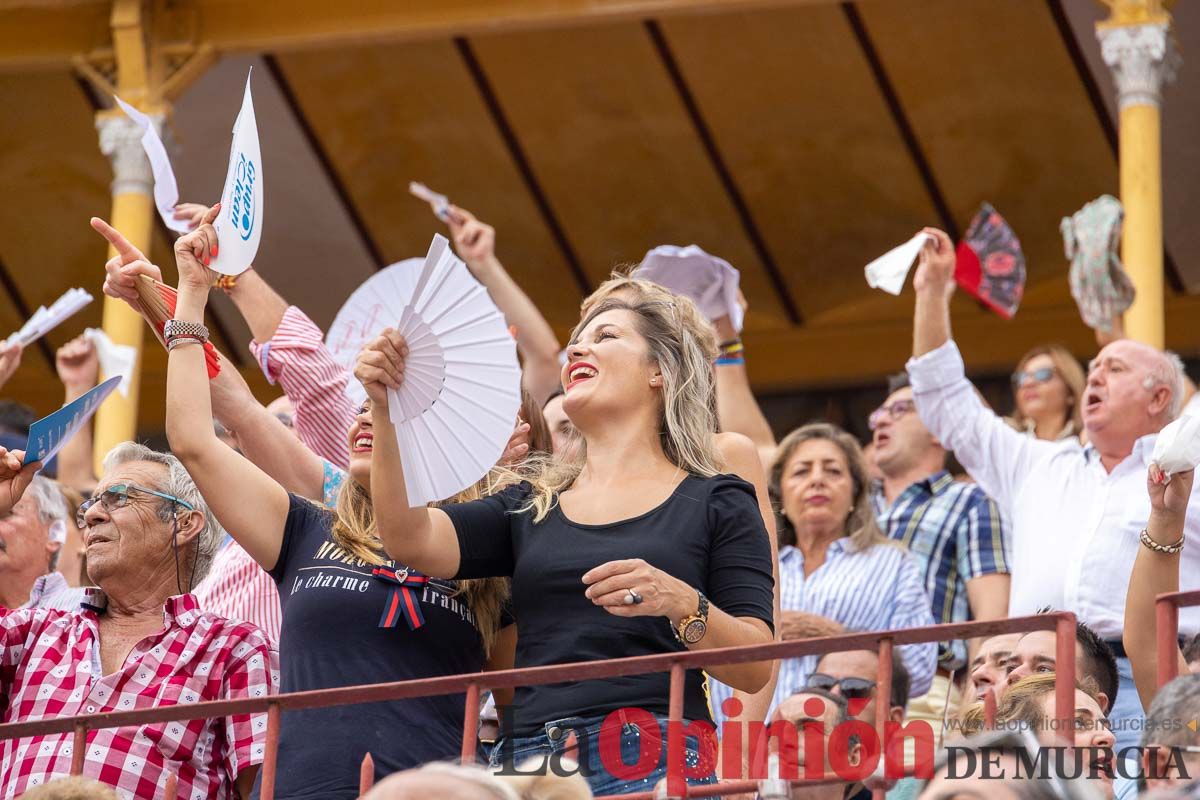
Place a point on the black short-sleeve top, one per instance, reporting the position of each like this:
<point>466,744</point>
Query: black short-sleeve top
<point>708,533</point>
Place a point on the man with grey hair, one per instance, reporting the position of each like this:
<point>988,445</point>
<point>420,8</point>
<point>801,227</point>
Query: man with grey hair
<point>139,640</point>
<point>1076,511</point>
<point>1170,742</point>
<point>31,538</point>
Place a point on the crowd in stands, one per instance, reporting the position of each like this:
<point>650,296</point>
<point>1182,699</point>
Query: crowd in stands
<point>642,506</point>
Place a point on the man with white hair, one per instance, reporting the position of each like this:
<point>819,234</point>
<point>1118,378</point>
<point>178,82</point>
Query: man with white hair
<point>1077,512</point>
<point>32,535</point>
<point>139,641</point>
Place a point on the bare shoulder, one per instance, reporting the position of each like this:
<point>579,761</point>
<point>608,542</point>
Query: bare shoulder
<point>737,453</point>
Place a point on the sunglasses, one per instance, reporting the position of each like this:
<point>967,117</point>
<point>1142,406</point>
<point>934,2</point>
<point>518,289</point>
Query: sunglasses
<point>117,496</point>
<point>893,412</point>
<point>851,688</point>
<point>1037,376</point>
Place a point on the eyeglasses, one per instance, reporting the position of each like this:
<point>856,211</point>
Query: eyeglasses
<point>117,496</point>
<point>893,412</point>
<point>1037,376</point>
<point>851,688</point>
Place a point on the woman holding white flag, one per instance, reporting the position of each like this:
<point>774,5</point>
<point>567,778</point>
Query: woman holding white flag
<point>350,615</point>
<point>638,547</point>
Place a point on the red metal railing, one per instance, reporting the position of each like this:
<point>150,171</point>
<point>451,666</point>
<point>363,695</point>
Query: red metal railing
<point>1062,623</point>
<point>1167,611</point>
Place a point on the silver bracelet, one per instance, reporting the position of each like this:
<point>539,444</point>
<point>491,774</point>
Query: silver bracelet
<point>180,341</point>
<point>1168,549</point>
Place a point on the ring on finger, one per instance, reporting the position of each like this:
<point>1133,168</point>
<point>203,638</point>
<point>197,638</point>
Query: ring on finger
<point>632,598</point>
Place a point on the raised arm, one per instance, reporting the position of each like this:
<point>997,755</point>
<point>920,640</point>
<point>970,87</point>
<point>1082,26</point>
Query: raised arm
<point>262,438</point>
<point>10,359</point>
<point>1155,573</point>
<point>737,409</point>
<point>247,503</point>
<point>994,454</point>
<point>475,242</point>
<point>423,538</point>
<point>290,349</point>
<point>78,368</point>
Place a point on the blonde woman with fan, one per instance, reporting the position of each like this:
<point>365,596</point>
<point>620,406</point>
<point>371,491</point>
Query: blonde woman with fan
<point>639,547</point>
<point>350,615</point>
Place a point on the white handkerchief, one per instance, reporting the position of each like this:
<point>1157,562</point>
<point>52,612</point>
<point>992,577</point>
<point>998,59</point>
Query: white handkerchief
<point>710,281</point>
<point>1177,448</point>
<point>166,190</point>
<point>889,271</point>
<point>115,359</point>
<point>45,319</point>
<point>239,225</point>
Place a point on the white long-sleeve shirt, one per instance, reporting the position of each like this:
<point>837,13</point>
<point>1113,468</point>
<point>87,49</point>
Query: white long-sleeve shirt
<point>1075,527</point>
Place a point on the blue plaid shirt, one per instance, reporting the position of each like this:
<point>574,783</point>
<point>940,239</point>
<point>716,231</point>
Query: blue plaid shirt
<point>956,533</point>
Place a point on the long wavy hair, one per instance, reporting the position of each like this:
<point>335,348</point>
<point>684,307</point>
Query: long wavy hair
<point>861,527</point>
<point>687,416</point>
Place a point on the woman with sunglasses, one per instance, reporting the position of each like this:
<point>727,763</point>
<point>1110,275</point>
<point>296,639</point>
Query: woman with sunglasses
<point>350,615</point>
<point>1047,385</point>
<point>842,573</point>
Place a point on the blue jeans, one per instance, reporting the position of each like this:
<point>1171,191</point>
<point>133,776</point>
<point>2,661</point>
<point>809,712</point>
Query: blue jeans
<point>1126,715</point>
<point>641,747</point>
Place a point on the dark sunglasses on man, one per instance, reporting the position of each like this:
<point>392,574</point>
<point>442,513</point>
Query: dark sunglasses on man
<point>1037,376</point>
<point>850,688</point>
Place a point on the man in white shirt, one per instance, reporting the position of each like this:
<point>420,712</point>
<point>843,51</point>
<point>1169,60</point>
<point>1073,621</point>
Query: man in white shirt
<point>31,537</point>
<point>1075,512</point>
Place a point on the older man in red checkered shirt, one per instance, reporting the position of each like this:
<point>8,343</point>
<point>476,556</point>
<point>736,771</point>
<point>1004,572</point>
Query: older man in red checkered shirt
<point>142,641</point>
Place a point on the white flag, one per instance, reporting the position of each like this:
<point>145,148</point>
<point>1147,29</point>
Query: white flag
<point>239,225</point>
<point>115,359</point>
<point>889,270</point>
<point>166,190</point>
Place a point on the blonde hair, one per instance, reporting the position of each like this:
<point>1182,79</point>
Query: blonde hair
<point>1023,704</point>
<point>1066,367</point>
<point>861,527</point>
<point>687,419</point>
<point>354,530</point>
<point>621,282</point>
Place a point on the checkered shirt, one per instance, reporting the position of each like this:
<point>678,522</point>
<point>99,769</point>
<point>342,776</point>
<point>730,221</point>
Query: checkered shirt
<point>50,667</point>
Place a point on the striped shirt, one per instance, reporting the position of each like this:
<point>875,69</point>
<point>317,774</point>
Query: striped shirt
<point>877,589</point>
<point>52,591</point>
<point>296,358</point>
<point>237,588</point>
<point>956,534</point>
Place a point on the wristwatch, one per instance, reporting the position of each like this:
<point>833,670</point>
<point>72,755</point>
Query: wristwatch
<point>692,628</point>
<point>177,328</point>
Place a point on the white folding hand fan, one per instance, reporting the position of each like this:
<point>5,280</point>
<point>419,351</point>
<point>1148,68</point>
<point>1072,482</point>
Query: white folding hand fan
<point>373,306</point>
<point>461,392</point>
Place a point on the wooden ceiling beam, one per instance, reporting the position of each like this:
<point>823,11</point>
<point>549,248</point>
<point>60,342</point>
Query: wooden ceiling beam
<point>49,35</point>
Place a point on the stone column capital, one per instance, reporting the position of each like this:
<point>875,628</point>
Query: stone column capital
<point>1142,58</point>
<point>121,141</point>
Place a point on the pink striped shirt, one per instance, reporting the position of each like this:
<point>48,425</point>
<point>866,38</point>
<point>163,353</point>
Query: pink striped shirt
<point>296,358</point>
<point>236,588</point>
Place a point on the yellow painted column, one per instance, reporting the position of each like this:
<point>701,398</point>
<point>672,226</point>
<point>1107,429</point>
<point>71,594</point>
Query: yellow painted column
<point>133,215</point>
<point>1142,246</point>
<point>1136,44</point>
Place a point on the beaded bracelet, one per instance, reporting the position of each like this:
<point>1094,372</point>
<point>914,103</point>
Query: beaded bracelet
<point>1168,549</point>
<point>181,340</point>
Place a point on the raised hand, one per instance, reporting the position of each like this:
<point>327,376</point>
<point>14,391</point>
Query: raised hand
<point>192,212</point>
<point>518,444</point>
<point>10,359</point>
<point>122,270</point>
<point>935,267</point>
<point>475,241</point>
<point>195,251</point>
<point>14,478</point>
<point>78,364</point>
<point>1169,495</point>
<point>381,365</point>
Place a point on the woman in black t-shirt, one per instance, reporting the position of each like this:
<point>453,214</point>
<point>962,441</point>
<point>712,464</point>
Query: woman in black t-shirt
<point>350,615</point>
<point>638,547</point>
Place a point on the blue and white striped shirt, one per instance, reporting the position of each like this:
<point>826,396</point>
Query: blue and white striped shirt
<point>877,589</point>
